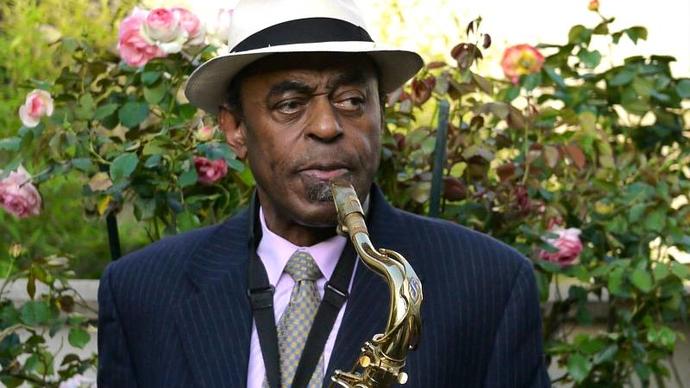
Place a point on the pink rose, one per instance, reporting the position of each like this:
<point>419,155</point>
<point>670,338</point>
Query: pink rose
<point>18,195</point>
<point>162,28</point>
<point>134,49</point>
<point>210,171</point>
<point>204,133</point>
<point>568,244</point>
<point>38,103</point>
<point>196,32</point>
<point>519,60</point>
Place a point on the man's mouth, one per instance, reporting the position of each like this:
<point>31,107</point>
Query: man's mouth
<point>325,174</point>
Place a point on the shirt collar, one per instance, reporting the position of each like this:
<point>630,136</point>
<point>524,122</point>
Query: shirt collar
<point>275,251</point>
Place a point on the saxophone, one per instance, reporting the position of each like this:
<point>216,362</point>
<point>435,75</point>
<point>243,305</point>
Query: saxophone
<point>382,359</point>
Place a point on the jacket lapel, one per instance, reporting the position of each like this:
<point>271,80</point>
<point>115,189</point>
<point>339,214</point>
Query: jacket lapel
<point>215,321</point>
<point>367,307</point>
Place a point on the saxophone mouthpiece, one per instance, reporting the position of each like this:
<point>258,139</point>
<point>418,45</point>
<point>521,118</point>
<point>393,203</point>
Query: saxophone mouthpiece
<point>345,198</point>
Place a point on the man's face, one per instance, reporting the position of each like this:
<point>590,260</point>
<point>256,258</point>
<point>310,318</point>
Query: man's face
<point>306,119</point>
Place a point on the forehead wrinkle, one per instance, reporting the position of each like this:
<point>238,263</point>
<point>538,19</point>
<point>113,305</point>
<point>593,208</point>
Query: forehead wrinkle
<point>291,86</point>
<point>347,77</point>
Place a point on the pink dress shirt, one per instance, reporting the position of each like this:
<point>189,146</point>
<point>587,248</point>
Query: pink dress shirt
<point>274,252</point>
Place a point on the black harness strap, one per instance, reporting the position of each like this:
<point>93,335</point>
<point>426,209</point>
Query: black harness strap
<point>260,294</point>
<point>334,297</point>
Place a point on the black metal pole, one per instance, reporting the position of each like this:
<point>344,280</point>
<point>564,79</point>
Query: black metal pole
<point>113,236</point>
<point>439,159</point>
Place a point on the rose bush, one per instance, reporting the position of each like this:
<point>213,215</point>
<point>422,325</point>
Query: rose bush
<point>565,140</point>
<point>579,166</point>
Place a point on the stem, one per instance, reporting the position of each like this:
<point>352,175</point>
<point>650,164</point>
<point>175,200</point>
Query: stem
<point>7,276</point>
<point>525,174</point>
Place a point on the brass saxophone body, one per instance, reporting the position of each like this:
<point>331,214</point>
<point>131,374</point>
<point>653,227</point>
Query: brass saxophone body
<point>382,359</point>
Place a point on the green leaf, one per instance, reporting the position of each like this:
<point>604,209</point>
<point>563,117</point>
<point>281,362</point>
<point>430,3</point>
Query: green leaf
<point>123,166</point>
<point>11,144</point>
<point>153,161</point>
<point>661,271</point>
<point>186,111</point>
<point>104,111</point>
<point>154,95</point>
<point>579,367</point>
<point>636,211</point>
<point>590,59</point>
<point>615,283</point>
<point>656,221</point>
<point>133,113</point>
<point>636,33</point>
<point>188,178</point>
<point>641,279</point>
<point>9,315</point>
<point>579,34</point>
<point>145,209</point>
<point>681,270</point>
<point>531,81</point>
<point>35,313</point>
<point>606,354</point>
<point>85,107</point>
<point>643,86</point>
<point>622,78</point>
<point>78,337</point>
<point>83,164</point>
<point>235,165</point>
<point>683,88</point>
<point>512,93</point>
<point>150,77</point>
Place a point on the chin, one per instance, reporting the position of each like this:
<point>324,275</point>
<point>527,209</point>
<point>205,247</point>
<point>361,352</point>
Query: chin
<point>319,214</point>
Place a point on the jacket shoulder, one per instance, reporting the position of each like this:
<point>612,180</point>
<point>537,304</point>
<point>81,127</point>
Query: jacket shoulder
<point>164,252</point>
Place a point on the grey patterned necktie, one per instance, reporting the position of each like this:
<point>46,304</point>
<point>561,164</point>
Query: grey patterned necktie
<point>295,323</point>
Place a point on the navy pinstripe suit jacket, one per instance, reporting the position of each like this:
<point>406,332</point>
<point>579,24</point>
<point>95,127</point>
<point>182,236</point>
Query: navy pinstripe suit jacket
<point>176,314</point>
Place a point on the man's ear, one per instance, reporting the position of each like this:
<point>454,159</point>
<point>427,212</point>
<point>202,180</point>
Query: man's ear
<point>235,132</point>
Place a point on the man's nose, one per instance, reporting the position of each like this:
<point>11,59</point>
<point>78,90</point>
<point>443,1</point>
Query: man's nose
<point>323,123</point>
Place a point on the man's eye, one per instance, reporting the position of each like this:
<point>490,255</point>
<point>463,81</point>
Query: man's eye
<point>351,103</point>
<point>289,106</point>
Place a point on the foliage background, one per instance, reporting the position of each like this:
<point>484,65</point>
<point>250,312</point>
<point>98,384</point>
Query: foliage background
<point>593,145</point>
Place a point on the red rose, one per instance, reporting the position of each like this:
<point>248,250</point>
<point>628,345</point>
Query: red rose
<point>519,60</point>
<point>568,244</point>
<point>210,171</point>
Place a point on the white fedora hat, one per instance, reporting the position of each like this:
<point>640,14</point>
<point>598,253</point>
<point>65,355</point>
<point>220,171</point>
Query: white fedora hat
<point>263,27</point>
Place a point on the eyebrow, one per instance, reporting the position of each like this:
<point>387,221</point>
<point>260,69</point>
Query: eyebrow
<point>349,77</point>
<point>291,86</point>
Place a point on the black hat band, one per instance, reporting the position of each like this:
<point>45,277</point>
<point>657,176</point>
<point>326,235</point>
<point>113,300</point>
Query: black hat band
<point>311,30</point>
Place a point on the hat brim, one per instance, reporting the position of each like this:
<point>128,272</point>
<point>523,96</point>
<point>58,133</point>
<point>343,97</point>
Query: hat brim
<point>207,86</point>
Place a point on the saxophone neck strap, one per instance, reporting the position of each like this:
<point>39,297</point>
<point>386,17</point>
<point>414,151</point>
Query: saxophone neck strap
<point>260,293</point>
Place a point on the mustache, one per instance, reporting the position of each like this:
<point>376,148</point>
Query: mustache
<point>320,190</point>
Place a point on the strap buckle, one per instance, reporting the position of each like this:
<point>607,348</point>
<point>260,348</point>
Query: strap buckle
<point>261,298</point>
<point>335,297</point>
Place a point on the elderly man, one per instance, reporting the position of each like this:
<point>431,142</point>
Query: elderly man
<point>299,98</point>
